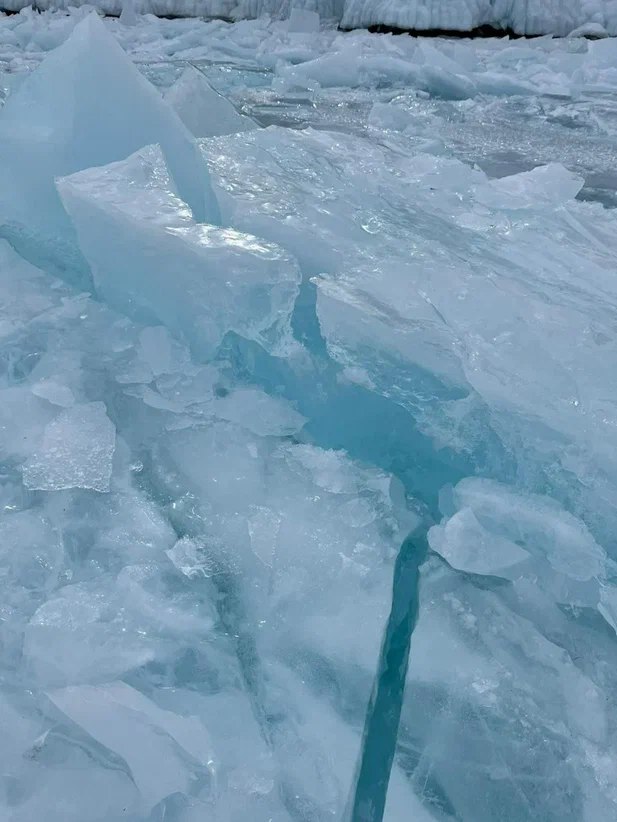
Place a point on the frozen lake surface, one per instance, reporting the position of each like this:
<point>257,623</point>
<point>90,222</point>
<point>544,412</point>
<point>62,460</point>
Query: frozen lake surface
<point>307,355</point>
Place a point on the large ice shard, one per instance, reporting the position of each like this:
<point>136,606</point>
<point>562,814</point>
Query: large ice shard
<point>85,105</point>
<point>199,280</point>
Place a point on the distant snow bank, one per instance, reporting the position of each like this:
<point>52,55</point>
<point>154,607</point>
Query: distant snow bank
<point>558,17</point>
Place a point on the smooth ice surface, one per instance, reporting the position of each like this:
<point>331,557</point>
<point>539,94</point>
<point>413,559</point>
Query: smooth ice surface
<point>86,105</point>
<point>205,112</point>
<point>199,280</point>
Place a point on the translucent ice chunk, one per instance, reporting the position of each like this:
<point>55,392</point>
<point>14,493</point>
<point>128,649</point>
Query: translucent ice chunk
<point>128,15</point>
<point>22,296</point>
<point>549,185</point>
<point>76,451</point>
<point>85,105</point>
<point>204,111</point>
<point>54,392</point>
<point>200,281</point>
<point>303,21</point>
<point>544,526</point>
<point>164,751</point>
<point>83,634</point>
<point>608,605</point>
<point>162,354</point>
<point>260,413</point>
<point>468,547</point>
<point>23,418</point>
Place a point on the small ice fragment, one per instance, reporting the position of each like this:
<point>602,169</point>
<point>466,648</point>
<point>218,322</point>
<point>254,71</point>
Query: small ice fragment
<point>159,350</point>
<point>54,392</point>
<point>23,418</point>
<point>76,452</point>
<point>467,546</point>
<point>259,413</point>
<point>608,605</point>
<point>264,526</point>
<point>191,558</point>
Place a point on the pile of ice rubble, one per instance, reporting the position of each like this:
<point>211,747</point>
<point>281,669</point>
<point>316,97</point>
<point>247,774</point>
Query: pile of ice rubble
<point>236,374</point>
<point>532,17</point>
<point>304,58</point>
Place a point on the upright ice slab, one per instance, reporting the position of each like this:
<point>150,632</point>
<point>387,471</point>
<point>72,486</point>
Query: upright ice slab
<point>150,259</point>
<point>86,105</point>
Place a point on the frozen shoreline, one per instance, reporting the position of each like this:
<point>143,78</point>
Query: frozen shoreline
<point>518,17</point>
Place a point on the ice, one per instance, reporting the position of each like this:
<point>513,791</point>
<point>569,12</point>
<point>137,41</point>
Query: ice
<point>467,546</point>
<point>464,308</point>
<point>558,17</point>
<point>91,84</point>
<point>230,281</point>
<point>523,16</point>
<point>128,15</point>
<point>259,413</point>
<point>54,392</point>
<point>566,542</point>
<point>504,658</point>
<point>76,451</point>
<point>313,536</point>
<point>204,111</point>
<point>551,185</point>
<point>303,21</point>
<point>17,308</point>
<point>77,637</point>
<point>22,420</point>
<point>403,336</point>
<point>163,751</point>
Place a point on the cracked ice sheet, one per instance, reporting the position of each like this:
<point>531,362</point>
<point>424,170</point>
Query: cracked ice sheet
<point>502,304</point>
<point>114,593</point>
<point>509,693</point>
